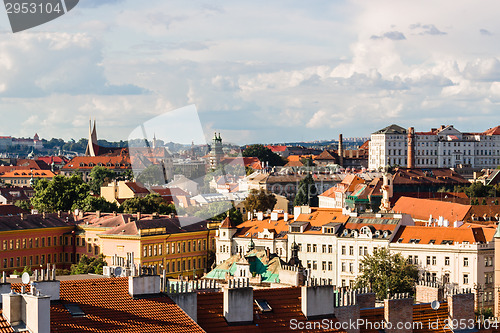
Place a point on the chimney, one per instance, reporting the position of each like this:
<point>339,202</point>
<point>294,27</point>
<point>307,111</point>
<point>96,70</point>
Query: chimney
<point>23,216</point>
<point>260,216</point>
<point>44,215</point>
<point>399,311</point>
<point>285,217</point>
<point>411,148</point>
<point>238,302</point>
<point>317,301</point>
<point>98,214</point>
<point>59,214</point>
<point>185,299</point>
<point>296,212</point>
<point>341,151</point>
<point>114,213</point>
<point>347,306</point>
<point>274,216</point>
<point>139,216</point>
<point>32,310</point>
<point>143,285</point>
<point>461,307</point>
<point>426,292</point>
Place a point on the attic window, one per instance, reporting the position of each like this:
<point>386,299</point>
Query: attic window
<point>414,241</point>
<point>449,242</point>
<point>400,240</point>
<point>74,310</point>
<point>334,218</point>
<point>315,228</point>
<point>246,235</point>
<point>432,241</point>
<point>310,217</point>
<point>263,305</point>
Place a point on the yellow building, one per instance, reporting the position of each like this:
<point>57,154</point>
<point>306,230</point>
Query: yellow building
<point>122,190</point>
<point>22,177</point>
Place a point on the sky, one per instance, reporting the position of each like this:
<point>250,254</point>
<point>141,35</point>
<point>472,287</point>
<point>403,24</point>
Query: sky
<point>256,71</point>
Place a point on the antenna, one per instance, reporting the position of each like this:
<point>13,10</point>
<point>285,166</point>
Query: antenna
<point>435,305</point>
<point>25,278</point>
<point>118,271</point>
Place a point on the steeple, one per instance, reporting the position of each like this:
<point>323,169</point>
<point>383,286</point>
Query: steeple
<point>92,141</point>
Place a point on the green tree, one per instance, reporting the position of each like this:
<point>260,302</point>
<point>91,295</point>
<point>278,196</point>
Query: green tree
<point>386,272</point>
<point>98,176</point>
<point>127,175</point>
<point>23,204</point>
<point>88,265</point>
<point>60,193</point>
<point>308,162</point>
<point>27,269</point>
<point>151,203</point>
<point>307,193</point>
<point>234,214</point>
<point>92,204</point>
<point>153,175</point>
<point>264,154</point>
<point>259,200</point>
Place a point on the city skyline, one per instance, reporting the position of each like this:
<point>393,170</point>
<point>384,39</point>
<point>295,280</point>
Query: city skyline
<point>257,72</point>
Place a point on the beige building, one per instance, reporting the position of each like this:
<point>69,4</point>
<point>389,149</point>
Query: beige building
<point>123,190</point>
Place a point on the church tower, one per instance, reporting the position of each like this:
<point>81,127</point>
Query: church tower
<point>216,152</point>
<point>92,141</point>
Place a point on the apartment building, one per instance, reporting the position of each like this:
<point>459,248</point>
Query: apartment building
<point>443,147</point>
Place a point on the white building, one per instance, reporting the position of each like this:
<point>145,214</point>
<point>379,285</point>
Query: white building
<point>456,257</point>
<point>443,147</point>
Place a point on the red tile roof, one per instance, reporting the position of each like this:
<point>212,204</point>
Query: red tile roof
<point>440,234</point>
<point>275,149</point>
<point>27,173</point>
<point>88,162</point>
<point>422,209</point>
<point>285,303</point>
<point>109,308</point>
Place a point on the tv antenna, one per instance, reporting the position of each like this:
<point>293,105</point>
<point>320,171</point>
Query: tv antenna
<point>435,305</point>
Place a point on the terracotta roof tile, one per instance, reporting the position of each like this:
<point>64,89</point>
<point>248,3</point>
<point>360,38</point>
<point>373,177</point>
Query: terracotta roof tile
<point>423,209</point>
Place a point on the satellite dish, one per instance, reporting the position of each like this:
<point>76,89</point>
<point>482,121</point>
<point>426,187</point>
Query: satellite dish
<point>118,271</point>
<point>25,278</point>
<point>435,305</point>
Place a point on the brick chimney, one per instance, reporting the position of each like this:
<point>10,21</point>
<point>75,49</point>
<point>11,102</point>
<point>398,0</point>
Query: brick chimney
<point>461,307</point>
<point>399,310</point>
<point>238,302</point>
<point>411,148</point>
<point>341,150</point>
<point>98,214</point>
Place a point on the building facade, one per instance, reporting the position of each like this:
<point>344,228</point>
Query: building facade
<point>444,147</point>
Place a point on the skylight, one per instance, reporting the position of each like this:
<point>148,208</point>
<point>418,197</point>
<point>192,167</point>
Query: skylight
<point>263,305</point>
<point>74,310</point>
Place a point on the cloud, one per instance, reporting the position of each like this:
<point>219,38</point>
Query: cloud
<point>485,32</point>
<point>427,29</point>
<point>98,3</point>
<point>392,35</point>
<point>483,70</point>
<point>40,64</point>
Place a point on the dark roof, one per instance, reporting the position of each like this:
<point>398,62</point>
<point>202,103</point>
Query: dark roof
<point>434,176</point>
<point>171,225</point>
<point>10,210</point>
<point>13,193</point>
<point>391,129</point>
<point>31,221</point>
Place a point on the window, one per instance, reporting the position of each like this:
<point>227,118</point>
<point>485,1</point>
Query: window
<point>160,249</point>
<point>343,250</point>
<point>434,260</point>
<point>466,262</point>
<point>343,267</point>
<point>308,247</point>
<point>351,250</point>
<point>43,241</point>
<point>323,248</point>
<point>447,261</point>
<point>466,278</point>
<point>410,259</point>
<point>144,252</point>
<point>351,267</point>
<point>360,250</point>
<point>330,266</point>
<point>415,260</point>
<point>428,260</point>
<point>315,265</point>
<point>314,248</point>
<point>155,250</point>
<point>323,265</point>
<point>330,248</point>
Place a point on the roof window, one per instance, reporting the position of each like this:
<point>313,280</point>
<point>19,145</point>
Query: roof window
<point>263,305</point>
<point>74,310</point>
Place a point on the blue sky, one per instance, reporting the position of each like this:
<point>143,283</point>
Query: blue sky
<point>257,71</point>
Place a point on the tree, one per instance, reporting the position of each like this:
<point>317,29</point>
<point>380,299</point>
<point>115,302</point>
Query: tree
<point>88,265</point>
<point>23,204</point>
<point>153,175</point>
<point>259,200</point>
<point>386,272</point>
<point>92,204</point>
<point>61,193</point>
<point>477,190</point>
<point>151,203</point>
<point>264,154</point>
<point>98,176</point>
<point>307,193</point>
<point>308,162</point>
<point>127,175</point>
<point>234,215</point>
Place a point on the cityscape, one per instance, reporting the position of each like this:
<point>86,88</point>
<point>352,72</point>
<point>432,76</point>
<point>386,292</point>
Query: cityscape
<point>326,166</point>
